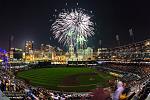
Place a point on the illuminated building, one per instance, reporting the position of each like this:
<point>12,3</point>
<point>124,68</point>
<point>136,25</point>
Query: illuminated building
<point>4,58</point>
<point>85,54</point>
<point>88,54</point>
<point>46,48</point>
<point>82,54</point>
<point>29,51</point>
<point>28,46</point>
<point>42,47</point>
<point>103,54</point>
<point>61,59</point>
<point>59,56</point>
<point>45,53</point>
<point>16,55</point>
<point>72,56</point>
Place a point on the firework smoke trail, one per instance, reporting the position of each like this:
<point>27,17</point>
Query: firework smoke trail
<point>71,24</point>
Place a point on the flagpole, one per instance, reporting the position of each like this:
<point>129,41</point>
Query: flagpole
<point>100,44</point>
<point>131,35</point>
<point>118,41</point>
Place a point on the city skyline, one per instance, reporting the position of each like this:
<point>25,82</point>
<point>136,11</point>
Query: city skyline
<point>29,20</point>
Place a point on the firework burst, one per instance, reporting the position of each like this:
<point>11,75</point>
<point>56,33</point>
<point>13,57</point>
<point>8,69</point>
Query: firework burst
<point>71,24</point>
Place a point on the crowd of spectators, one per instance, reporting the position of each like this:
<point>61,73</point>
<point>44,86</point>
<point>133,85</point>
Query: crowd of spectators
<point>135,75</point>
<point>143,94</point>
<point>19,89</point>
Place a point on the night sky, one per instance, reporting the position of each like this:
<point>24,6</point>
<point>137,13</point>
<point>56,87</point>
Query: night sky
<point>29,20</point>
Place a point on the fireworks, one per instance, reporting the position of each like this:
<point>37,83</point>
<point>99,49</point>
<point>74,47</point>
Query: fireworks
<point>72,24</point>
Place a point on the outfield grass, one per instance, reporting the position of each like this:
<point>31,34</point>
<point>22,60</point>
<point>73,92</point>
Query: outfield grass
<point>53,78</point>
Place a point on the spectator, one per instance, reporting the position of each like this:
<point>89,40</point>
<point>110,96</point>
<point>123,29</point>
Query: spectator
<point>118,91</point>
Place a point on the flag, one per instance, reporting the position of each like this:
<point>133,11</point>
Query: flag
<point>11,38</point>
<point>117,37</point>
<point>100,42</point>
<point>131,32</point>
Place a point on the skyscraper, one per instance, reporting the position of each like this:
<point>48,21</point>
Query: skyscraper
<point>28,46</point>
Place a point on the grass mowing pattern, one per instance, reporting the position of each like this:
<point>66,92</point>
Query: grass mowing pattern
<point>53,78</point>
